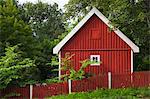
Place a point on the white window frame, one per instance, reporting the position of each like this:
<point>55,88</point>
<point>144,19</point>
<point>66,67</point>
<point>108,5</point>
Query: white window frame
<point>98,59</point>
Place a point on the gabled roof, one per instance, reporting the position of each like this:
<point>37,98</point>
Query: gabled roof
<point>58,47</point>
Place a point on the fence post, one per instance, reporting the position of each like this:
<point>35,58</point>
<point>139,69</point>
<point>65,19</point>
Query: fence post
<point>31,91</point>
<point>69,84</point>
<point>109,80</point>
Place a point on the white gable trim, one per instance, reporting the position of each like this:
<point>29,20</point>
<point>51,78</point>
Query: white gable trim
<point>57,48</point>
<point>131,61</point>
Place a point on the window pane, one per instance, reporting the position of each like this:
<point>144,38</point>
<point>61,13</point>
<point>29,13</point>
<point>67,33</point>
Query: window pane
<point>95,58</point>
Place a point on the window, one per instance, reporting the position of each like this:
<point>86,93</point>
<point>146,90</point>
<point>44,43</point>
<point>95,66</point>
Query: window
<point>95,58</point>
<point>95,33</point>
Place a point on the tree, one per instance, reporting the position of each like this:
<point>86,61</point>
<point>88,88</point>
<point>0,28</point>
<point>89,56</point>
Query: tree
<point>131,16</point>
<point>33,27</point>
<point>45,19</point>
<point>47,23</point>
<point>13,66</point>
<point>13,29</point>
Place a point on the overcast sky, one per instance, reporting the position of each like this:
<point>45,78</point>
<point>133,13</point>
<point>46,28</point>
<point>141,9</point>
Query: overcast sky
<point>61,3</point>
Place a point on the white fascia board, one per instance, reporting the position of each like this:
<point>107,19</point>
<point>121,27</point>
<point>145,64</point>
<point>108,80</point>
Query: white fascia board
<point>57,48</point>
<point>101,16</point>
<point>134,47</point>
<point>117,31</point>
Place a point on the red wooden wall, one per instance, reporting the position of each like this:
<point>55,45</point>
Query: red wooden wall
<point>115,54</point>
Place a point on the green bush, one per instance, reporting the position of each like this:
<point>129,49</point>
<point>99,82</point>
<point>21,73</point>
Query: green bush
<point>13,66</point>
<point>71,73</point>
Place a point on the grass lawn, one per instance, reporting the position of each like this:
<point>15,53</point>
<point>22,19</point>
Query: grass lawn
<point>129,93</point>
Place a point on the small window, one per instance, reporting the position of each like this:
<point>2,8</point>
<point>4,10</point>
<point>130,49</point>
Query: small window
<point>95,33</point>
<point>95,58</point>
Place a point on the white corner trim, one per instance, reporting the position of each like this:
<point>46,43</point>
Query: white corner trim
<point>59,68</point>
<point>131,61</point>
<point>58,47</point>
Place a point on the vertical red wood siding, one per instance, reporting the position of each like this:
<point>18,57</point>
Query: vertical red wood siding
<point>114,53</point>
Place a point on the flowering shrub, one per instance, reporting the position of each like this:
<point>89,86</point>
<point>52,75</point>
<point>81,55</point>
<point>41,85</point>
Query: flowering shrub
<point>70,72</point>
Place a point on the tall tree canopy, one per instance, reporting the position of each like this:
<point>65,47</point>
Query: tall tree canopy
<point>34,27</point>
<point>13,29</point>
<point>131,16</point>
<point>46,23</point>
<point>44,19</point>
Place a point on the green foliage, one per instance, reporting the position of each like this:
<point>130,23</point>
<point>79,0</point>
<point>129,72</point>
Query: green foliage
<point>12,66</point>
<point>53,80</point>
<point>34,27</point>
<point>46,23</point>
<point>45,19</point>
<point>71,73</point>
<point>13,29</point>
<point>11,95</point>
<point>128,93</point>
<point>130,16</point>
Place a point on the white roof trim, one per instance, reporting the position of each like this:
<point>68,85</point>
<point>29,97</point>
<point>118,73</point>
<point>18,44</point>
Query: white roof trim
<point>57,48</point>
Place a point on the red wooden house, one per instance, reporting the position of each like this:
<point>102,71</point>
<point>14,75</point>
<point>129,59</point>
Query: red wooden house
<point>92,39</point>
